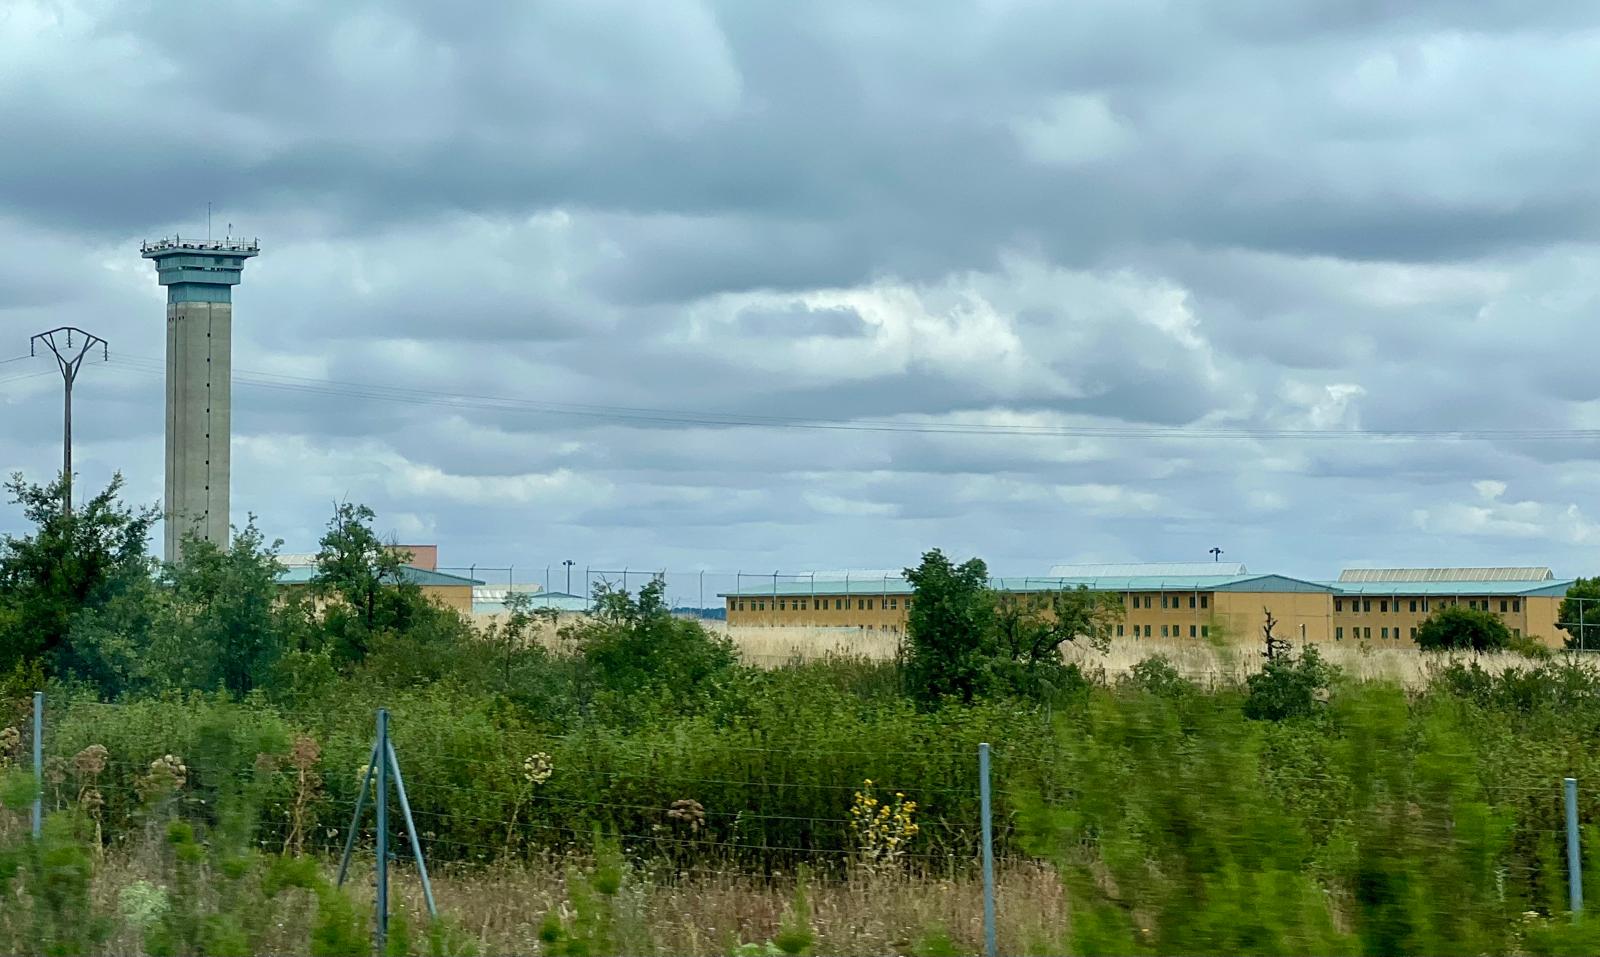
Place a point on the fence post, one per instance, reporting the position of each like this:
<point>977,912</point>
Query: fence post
<point>382,801</point>
<point>1574,859</point>
<point>355,819</point>
<point>411,831</point>
<point>38,764</point>
<point>989,947</point>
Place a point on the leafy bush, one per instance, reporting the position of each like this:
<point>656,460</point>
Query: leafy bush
<point>1457,628</point>
<point>632,646</point>
<point>1289,686</point>
<point>1156,675</point>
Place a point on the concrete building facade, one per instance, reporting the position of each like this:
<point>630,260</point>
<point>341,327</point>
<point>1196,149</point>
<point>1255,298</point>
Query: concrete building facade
<point>199,276</point>
<point>1383,606</point>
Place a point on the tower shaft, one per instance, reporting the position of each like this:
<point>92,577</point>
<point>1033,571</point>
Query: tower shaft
<point>199,276</point>
<point>199,410</point>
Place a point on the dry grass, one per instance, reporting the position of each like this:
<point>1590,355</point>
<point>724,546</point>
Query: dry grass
<point>1198,660</point>
<point>710,912</point>
<point>1209,662</point>
<point>775,646</point>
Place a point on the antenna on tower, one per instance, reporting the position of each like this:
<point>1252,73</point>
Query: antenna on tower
<point>208,221</point>
<point>68,357</point>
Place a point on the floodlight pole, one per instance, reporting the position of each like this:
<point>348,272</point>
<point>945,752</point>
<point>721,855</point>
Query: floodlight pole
<point>68,358</point>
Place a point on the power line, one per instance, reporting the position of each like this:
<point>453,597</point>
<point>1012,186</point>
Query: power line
<point>25,375</point>
<point>501,403</point>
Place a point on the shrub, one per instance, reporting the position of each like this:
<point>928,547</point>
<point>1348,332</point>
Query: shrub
<point>1157,675</point>
<point>1456,628</point>
<point>632,644</point>
<point>1289,687</point>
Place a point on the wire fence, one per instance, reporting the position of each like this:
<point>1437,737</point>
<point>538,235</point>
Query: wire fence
<point>685,801</point>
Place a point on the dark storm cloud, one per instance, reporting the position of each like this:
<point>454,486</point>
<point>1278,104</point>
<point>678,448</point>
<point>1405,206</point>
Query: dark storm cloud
<point>1142,213</point>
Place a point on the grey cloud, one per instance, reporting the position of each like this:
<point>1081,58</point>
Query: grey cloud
<point>1221,212</point>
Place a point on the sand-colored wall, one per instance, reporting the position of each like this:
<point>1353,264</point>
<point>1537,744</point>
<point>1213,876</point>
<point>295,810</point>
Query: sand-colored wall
<point>1235,615</point>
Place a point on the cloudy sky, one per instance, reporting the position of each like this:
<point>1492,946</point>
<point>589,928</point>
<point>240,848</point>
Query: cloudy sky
<point>583,279</point>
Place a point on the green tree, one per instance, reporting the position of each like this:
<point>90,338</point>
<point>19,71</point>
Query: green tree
<point>223,610</point>
<point>69,565</point>
<point>1030,629</point>
<point>1457,628</point>
<point>361,589</point>
<point>951,641</point>
<point>631,644</point>
<point>1581,607</point>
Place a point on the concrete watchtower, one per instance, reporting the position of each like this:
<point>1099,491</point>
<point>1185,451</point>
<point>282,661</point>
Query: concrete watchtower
<point>199,276</point>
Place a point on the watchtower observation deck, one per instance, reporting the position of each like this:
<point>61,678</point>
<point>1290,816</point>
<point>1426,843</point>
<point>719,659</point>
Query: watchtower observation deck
<point>199,270</point>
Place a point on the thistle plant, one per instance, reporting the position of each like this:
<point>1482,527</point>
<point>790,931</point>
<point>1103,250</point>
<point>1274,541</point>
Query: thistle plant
<point>882,828</point>
<point>166,777</point>
<point>536,770</point>
<point>87,766</point>
<point>10,746</point>
<point>303,757</point>
<point>688,813</point>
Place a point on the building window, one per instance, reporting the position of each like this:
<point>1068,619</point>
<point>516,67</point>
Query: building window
<point>869,604</point>
<point>761,606</point>
<point>894,603</point>
<point>1516,604</point>
<point>1205,601</point>
<point>1424,606</point>
<point>1163,601</point>
<point>1338,604</point>
<point>1147,629</point>
<point>1205,631</point>
<point>1413,634</point>
<point>1383,608</point>
<point>1147,605</point>
<point>1119,631</point>
<point>1194,600</point>
<point>1366,605</point>
<point>1164,631</point>
<point>1192,631</point>
<point>1368,633</point>
<point>1338,633</point>
<point>838,603</point>
<point>1516,632</point>
<point>1413,605</point>
<point>1385,634</point>
<point>1503,604</point>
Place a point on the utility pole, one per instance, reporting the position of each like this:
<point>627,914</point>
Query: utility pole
<point>68,357</point>
<point>1216,554</point>
<point>569,563</point>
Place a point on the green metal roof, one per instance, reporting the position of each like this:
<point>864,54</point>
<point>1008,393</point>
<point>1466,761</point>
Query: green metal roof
<point>1123,583</point>
<point>303,574</point>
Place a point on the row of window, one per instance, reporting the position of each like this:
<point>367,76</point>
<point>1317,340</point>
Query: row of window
<point>821,604</point>
<point>1170,601</point>
<point>1173,631</point>
<point>1365,604</point>
<point>1364,632</point>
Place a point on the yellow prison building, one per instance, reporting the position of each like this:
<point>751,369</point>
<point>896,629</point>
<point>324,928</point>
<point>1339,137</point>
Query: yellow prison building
<point>1189,600</point>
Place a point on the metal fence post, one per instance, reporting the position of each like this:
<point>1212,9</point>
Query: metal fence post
<point>989,947</point>
<point>355,819</point>
<point>38,764</point>
<point>382,801</point>
<point>411,831</point>
<point>1574,859</point>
